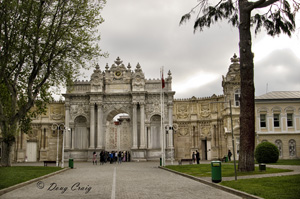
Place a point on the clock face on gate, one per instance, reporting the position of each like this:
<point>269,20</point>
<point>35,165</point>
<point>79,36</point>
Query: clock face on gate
<point>118,73</point>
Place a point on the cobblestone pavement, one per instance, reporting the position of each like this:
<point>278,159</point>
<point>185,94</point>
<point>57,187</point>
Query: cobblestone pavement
<point>127,180</point>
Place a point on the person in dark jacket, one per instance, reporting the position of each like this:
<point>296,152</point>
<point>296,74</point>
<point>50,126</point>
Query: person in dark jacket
<point>229,155</point>
<point>198,157</point>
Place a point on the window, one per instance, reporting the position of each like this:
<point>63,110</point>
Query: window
<point>276,120</point>
<point>289,119</point>
<point>237,95</point>
<point>263,120</point>
<point>292,148</point>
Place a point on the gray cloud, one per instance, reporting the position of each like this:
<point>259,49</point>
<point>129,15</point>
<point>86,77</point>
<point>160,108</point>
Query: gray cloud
<point>279,70</point>
<point>148,32</point>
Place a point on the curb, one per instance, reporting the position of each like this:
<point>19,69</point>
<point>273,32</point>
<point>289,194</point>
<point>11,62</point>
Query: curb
<point>8,189</point>
<point>221,187</point>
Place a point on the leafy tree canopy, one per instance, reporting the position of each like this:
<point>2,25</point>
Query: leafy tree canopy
<point>276,16</point>
<point>42,44</point>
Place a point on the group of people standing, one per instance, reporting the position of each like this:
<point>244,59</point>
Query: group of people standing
<point>112,157</point>
<point>196,157</point>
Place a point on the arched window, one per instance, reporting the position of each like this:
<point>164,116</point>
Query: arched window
<point>278,143</point>
<point>292,148</point>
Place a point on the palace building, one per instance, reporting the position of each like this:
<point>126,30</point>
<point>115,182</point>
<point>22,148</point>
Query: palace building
<point>85,120</point>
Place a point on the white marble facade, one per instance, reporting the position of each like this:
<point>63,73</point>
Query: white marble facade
<point>90,107</point>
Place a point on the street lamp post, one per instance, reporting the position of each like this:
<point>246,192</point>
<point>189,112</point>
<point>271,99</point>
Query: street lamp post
<point>168,130</point>
<point>56,127</point>
<point>59,127</point>
<point>63,146</point>
<point>63,149</point>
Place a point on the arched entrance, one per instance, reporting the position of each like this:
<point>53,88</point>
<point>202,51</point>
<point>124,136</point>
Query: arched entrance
<point>118,132</point>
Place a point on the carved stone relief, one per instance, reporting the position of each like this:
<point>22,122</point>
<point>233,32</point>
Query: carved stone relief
<point>182,111</point>
<point>138,84</point>
<point>184,131</point>
<point>117,99</point>
<point>205,112</point>
<point>205,131</point>
<point>79,109</point>
<point>56,112</point>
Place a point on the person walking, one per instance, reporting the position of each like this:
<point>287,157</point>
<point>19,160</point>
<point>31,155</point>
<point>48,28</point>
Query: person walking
<point>120,157</point>
<point>193,157</point>
<point>102,155</point>
<point>111,157</point>
<point>116,157</point>
<point>229,155</point>
<point>94,158</point>
<point>198,157</point>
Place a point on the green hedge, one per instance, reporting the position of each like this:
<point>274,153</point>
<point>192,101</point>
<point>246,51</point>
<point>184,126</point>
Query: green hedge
<point>266,152</point>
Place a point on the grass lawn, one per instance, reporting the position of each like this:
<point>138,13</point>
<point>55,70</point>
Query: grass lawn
<point>204,170</point>
<point>287,162</point>
<point>281,162</point>
<point>283,187</point>
<point>10,176</point>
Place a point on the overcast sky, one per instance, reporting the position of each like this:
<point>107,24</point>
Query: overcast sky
<point>148,32</point>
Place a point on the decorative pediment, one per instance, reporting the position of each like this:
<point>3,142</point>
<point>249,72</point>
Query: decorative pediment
<point>117,74</point>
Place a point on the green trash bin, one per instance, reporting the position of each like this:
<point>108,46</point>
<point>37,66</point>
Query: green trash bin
<point>160,161</point>
<point>71,163</point>
<point>226,158</point>
<point>216,173</point>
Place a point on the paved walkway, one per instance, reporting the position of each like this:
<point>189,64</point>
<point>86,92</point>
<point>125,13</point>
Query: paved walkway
<point>127,180</point>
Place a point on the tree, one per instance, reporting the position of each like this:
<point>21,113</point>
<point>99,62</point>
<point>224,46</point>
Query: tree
<point>42,44</point>
<point>278,17</point>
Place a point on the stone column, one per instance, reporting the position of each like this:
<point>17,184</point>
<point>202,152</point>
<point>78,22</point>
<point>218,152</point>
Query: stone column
<point>134,125</point>
<point>92,126</point>
<point>148,136</point>
<point>99,127</point>
<point>142,126</point>
<point>67,132</point>
<point>170,106</point>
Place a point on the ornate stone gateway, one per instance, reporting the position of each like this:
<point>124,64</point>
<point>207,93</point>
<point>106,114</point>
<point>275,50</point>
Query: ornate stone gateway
<point>92,105</point>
